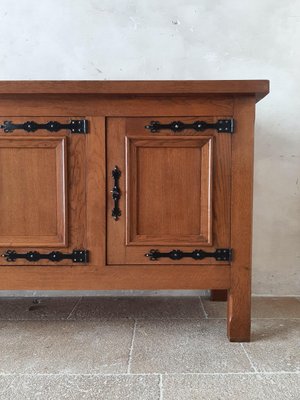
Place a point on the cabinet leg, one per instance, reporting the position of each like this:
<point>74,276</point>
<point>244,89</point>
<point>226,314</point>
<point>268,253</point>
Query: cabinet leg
<point>239,294</point>
<point>218,295</point>
<point>238,316</point>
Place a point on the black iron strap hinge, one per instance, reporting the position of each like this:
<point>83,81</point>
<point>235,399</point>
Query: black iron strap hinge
<point>77,256</point>
<point>219,255</point>
<point>222,125</point>
<point>74,126</point>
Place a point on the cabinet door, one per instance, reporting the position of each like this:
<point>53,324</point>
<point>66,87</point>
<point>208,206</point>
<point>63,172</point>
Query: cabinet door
<point>174,191</point>
<point>43,200</point>
<point>33,197</point>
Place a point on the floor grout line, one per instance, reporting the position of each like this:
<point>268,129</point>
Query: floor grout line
<point>39,294</point>
<point>9,385</point>
<point>131,347</point>
<point>295,296</point>
<point>203,309</point>
<point>155,374</point>
<point>161,391</point>
<point>140,318</point>
<point>74,308</point>
<point>276,318</point>
<point>249,359</point>
<point>259,318</point>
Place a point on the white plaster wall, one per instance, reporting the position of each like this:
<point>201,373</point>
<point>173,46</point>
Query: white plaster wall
<point>186,39</point>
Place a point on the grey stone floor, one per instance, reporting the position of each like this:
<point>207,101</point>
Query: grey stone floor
<point>142,348</point>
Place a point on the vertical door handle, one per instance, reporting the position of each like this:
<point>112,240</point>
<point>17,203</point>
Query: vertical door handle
<point>116,193</point>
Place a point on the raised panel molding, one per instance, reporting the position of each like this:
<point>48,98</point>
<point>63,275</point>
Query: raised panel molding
<point>169,190</point>
<point>33,201</point>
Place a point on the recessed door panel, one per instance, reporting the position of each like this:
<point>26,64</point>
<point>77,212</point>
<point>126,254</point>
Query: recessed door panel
<point>169,191</point>
<point>33,191</point>
<point>173,191</point>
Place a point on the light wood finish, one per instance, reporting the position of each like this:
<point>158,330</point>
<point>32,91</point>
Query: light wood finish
<point>206,203</point>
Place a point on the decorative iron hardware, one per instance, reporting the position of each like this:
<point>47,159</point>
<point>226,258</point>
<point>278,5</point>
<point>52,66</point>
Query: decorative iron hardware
<point>223,125</point>
<point>74,126</point>
<point>219,255</point>
<point>116,193</point>
<point>77,256</point>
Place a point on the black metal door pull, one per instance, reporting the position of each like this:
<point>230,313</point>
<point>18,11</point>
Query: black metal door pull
<point>219,255</point>
<point>116,193</point>
<point>74,126</point>
<point>222,125</point>
<point>77,256</point>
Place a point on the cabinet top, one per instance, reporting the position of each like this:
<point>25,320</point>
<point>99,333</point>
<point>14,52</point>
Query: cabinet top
<point>259,88</point>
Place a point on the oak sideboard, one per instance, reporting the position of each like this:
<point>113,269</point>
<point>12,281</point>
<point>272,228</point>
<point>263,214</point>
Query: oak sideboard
<point>117,185</point>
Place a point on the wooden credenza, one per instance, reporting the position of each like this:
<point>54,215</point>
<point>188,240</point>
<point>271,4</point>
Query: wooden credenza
<point>129,185</point>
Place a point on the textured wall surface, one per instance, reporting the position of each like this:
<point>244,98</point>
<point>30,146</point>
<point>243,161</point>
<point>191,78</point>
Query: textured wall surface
<point>186,39</point>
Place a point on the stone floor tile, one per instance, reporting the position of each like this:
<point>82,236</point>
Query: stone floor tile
<point>275,307</point>
<point>65,346</point>
<point>138,307</point>
<point>5,382</point>
<point>54,387</point>
<point>275,345</point>
<point>45,308</point>
<point>185,346</point>
<point>231,387</point>
<point>214,309</point>
<point>262,307</point>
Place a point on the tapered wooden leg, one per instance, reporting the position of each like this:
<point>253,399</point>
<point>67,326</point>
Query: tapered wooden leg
<point>218,295</point>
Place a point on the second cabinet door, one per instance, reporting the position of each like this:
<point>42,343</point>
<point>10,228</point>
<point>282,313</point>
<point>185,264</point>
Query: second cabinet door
<point>167,191</point>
